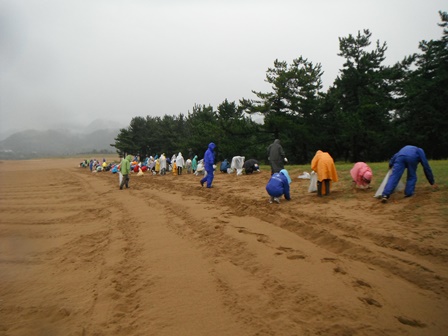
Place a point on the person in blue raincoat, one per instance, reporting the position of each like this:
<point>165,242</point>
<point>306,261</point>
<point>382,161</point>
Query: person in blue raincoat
<point>224,166</point>
<point>278,185</point>
<point>407,158</point>
<point>209,163</point>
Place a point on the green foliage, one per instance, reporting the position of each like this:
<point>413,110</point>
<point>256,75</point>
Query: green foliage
<point>424,113</point>
<point>369,112</point>
<point>362,98</point>
<point>291,110</point>
<point>201,127</point>
<point>229,128</point>
<point>237,133</point>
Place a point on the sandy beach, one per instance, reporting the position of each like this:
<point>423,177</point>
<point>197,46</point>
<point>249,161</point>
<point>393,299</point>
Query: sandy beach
<point>78,256</point>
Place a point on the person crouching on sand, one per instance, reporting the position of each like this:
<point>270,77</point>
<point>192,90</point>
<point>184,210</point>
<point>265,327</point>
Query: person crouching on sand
<point>361,175</point>
<point>278,185</point>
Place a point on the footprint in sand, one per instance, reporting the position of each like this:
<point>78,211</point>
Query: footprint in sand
<point>362,283</point>
<point>370,301</point>
<point>339,270</point>
<point>290,253</point>
<point>260,237</point>
<point>410,322</point>
<point>295,257</point>
<point>220,220</point>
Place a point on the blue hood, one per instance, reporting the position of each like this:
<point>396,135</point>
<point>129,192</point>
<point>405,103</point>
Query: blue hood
<point>285,172</point>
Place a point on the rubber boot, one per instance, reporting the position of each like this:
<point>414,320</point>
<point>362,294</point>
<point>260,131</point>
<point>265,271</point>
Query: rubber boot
<point>327,187</point>
<point>319,189</point>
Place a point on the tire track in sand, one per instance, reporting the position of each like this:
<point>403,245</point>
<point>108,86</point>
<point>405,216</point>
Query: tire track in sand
<point>167,258</point>
<point>266,294</point>
<point>328,243</point>
<point>161,284</point>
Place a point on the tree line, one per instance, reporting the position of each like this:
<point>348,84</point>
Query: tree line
<point>369,112</point>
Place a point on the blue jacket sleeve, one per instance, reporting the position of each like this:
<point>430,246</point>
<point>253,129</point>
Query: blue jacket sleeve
<point>426,167</point>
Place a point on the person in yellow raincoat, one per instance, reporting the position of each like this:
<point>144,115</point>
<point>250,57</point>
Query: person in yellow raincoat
<point>174,165</point>
<point>323,165</point>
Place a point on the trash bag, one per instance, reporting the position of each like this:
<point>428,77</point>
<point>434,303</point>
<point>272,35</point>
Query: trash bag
<point>120,178</point>
<point>305,176</point>
<point>379,192</point>
<point>313,182</point>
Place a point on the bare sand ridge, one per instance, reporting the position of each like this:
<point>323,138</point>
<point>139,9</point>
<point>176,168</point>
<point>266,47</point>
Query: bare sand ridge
<point>78,256</point>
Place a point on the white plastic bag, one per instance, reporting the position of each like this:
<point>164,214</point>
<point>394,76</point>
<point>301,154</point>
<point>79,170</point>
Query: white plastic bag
<point>305,176</point>
<point>379,192</point>
<point>313,182</point>
<point>120,178</point>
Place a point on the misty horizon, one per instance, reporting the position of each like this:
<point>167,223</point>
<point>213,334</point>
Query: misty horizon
<point>70,62</point>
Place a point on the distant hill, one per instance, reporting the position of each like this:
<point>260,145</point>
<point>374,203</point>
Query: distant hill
<point>102,124</point>
<point>33,144</point>
<point>5,134</point>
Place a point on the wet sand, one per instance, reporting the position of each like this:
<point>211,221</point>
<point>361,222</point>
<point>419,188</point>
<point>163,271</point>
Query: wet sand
<point>78,256</point>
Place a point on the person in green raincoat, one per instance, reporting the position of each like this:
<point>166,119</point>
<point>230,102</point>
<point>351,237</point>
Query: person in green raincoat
<point>125,169</point>
<point>194,163</point>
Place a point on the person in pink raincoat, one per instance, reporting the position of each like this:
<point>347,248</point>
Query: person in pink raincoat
<point>361,175</point>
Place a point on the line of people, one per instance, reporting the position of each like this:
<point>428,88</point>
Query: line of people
<point>323,167</point>
<point>95,165</point>
<point>156,165</point>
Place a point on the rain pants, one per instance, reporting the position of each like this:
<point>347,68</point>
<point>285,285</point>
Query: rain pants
<point>407,158</point>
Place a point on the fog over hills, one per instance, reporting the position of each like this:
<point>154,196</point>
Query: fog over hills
<point>64,140</point>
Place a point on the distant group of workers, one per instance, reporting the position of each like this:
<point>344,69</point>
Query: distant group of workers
<point>322,166</point>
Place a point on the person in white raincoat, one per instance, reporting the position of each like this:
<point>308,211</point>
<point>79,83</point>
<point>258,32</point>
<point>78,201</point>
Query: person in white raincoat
<point>237,164</point>
<point>180,162</point>
<point>162,161</point>
<point>188,165</point>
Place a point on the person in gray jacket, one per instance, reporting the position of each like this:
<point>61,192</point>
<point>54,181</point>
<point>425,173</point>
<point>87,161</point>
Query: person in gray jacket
<point>276,156</point>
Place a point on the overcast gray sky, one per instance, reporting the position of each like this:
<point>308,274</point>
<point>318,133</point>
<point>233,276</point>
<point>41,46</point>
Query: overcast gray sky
<point>79,60</point>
